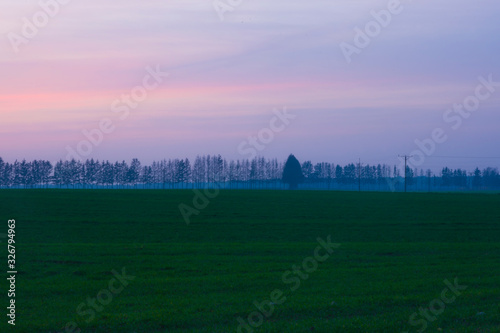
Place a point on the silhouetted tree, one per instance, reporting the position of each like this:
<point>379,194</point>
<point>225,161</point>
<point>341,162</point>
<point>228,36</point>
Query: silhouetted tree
<point>90,172</point>
<point>339,174</point>
<point>107,176</point>
<point>491,177</point>
<point>350,175</point>
<point>410,173</point>
<point>8,174</point>
<point>447,175</point>
<point>477,180</point>
<point>147,176</point>
<point>133,172</point>
<point>292,172</point>
<point>307,170</point>
<point>256,173</point>
<point>121,170</point>
<point>460,178</point>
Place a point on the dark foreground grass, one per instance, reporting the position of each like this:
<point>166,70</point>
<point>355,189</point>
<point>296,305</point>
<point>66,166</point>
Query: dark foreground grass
<point>396,250</point>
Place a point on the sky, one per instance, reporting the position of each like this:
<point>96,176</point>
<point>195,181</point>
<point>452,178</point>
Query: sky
<point>330,81</point>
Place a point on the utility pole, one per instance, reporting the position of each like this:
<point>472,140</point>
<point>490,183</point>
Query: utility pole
<point>406,159</point>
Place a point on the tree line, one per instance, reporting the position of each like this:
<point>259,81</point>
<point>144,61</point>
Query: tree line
<point>208,170</point>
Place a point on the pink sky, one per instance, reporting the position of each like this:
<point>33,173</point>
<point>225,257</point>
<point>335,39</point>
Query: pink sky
<point>226,77</point>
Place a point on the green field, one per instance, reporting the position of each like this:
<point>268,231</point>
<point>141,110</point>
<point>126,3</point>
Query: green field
<point>396,251</point>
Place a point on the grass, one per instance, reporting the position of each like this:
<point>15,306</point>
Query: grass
<point>395,252</point>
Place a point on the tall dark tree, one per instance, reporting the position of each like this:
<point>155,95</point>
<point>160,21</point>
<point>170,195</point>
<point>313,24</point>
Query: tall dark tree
<point>292,172</point>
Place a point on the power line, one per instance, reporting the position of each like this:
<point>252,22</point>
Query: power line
<point>469,157</point>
